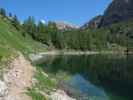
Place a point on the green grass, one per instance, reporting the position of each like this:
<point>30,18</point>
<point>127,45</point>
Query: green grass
<point>42,79</point>
<point>44,84</point>
<point>12,39</point>
<point>35,95</point>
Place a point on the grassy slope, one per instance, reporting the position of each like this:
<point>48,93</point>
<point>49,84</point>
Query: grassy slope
<point>11,39</point>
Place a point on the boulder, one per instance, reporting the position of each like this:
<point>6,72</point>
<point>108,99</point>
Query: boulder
<point>3,89</point>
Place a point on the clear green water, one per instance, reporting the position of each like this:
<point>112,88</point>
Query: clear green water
<point>94,77</point>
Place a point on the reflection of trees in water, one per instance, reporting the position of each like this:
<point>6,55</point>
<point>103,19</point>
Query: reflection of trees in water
<point>112,67</point>
<point>113,72</point>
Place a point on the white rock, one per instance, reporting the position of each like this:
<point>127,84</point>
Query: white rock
<point>60,95</point>
<point>34,81</point>
<point>45,74</point>
<point>3,89</point>
<point>35,57</point>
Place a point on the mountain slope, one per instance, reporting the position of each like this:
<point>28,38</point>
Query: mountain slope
<point>117,11</point>
<point>94,23</point>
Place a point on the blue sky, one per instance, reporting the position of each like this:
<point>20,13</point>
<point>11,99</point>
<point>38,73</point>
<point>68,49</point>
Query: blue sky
<point>73,11</point>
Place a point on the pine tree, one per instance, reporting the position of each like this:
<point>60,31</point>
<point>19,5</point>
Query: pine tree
<point>3,12</point>
<point>53,32</point>
<point>42,33</point>
<point>30,27</point>
<point>10,15</point>
<point>16,22</point>
<point>41,27</point>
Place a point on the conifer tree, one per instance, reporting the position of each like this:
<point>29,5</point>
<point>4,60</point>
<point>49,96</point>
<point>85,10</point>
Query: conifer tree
<point>30,27</point>
<point>10,15</point>
<point>3,12</point>
<point>16,22</point>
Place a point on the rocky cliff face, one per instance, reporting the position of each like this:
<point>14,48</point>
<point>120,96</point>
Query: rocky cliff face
<point>117,11</point>
<point>94,23</point>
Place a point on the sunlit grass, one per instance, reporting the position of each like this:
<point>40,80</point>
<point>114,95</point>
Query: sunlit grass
<point>44,84</point>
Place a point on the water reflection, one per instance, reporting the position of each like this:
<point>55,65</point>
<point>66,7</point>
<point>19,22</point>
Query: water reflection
<point>114,73</point>
<point>86,90</point>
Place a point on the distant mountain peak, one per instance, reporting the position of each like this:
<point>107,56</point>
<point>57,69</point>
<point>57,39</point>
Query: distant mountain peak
<point>62,25</point>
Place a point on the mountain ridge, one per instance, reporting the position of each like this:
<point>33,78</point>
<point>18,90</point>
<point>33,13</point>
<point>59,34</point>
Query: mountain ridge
<point>117,11</point>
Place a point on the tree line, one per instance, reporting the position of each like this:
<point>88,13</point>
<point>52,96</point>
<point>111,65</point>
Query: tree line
<point>76,39</point>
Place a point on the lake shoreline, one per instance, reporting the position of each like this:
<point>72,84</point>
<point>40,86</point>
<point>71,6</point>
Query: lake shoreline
<point>72,73</point>
<point>40,55</point>
<point>79,52</point>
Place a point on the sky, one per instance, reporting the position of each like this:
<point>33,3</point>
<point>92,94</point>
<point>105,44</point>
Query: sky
<point>77,12</point>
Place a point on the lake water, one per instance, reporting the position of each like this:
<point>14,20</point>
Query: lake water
<point>93,77</point>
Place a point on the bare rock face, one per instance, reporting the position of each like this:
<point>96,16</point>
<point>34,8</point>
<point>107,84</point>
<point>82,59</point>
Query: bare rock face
<point>117,11</point>
<point>94,23</point>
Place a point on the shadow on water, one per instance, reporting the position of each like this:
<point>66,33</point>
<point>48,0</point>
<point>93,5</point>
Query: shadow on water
<point>112,73</point>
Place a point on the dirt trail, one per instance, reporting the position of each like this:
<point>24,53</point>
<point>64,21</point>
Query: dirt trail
<point>19,78</point>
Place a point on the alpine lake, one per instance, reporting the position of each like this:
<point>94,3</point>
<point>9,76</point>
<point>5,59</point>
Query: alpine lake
<point>92,77</point>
